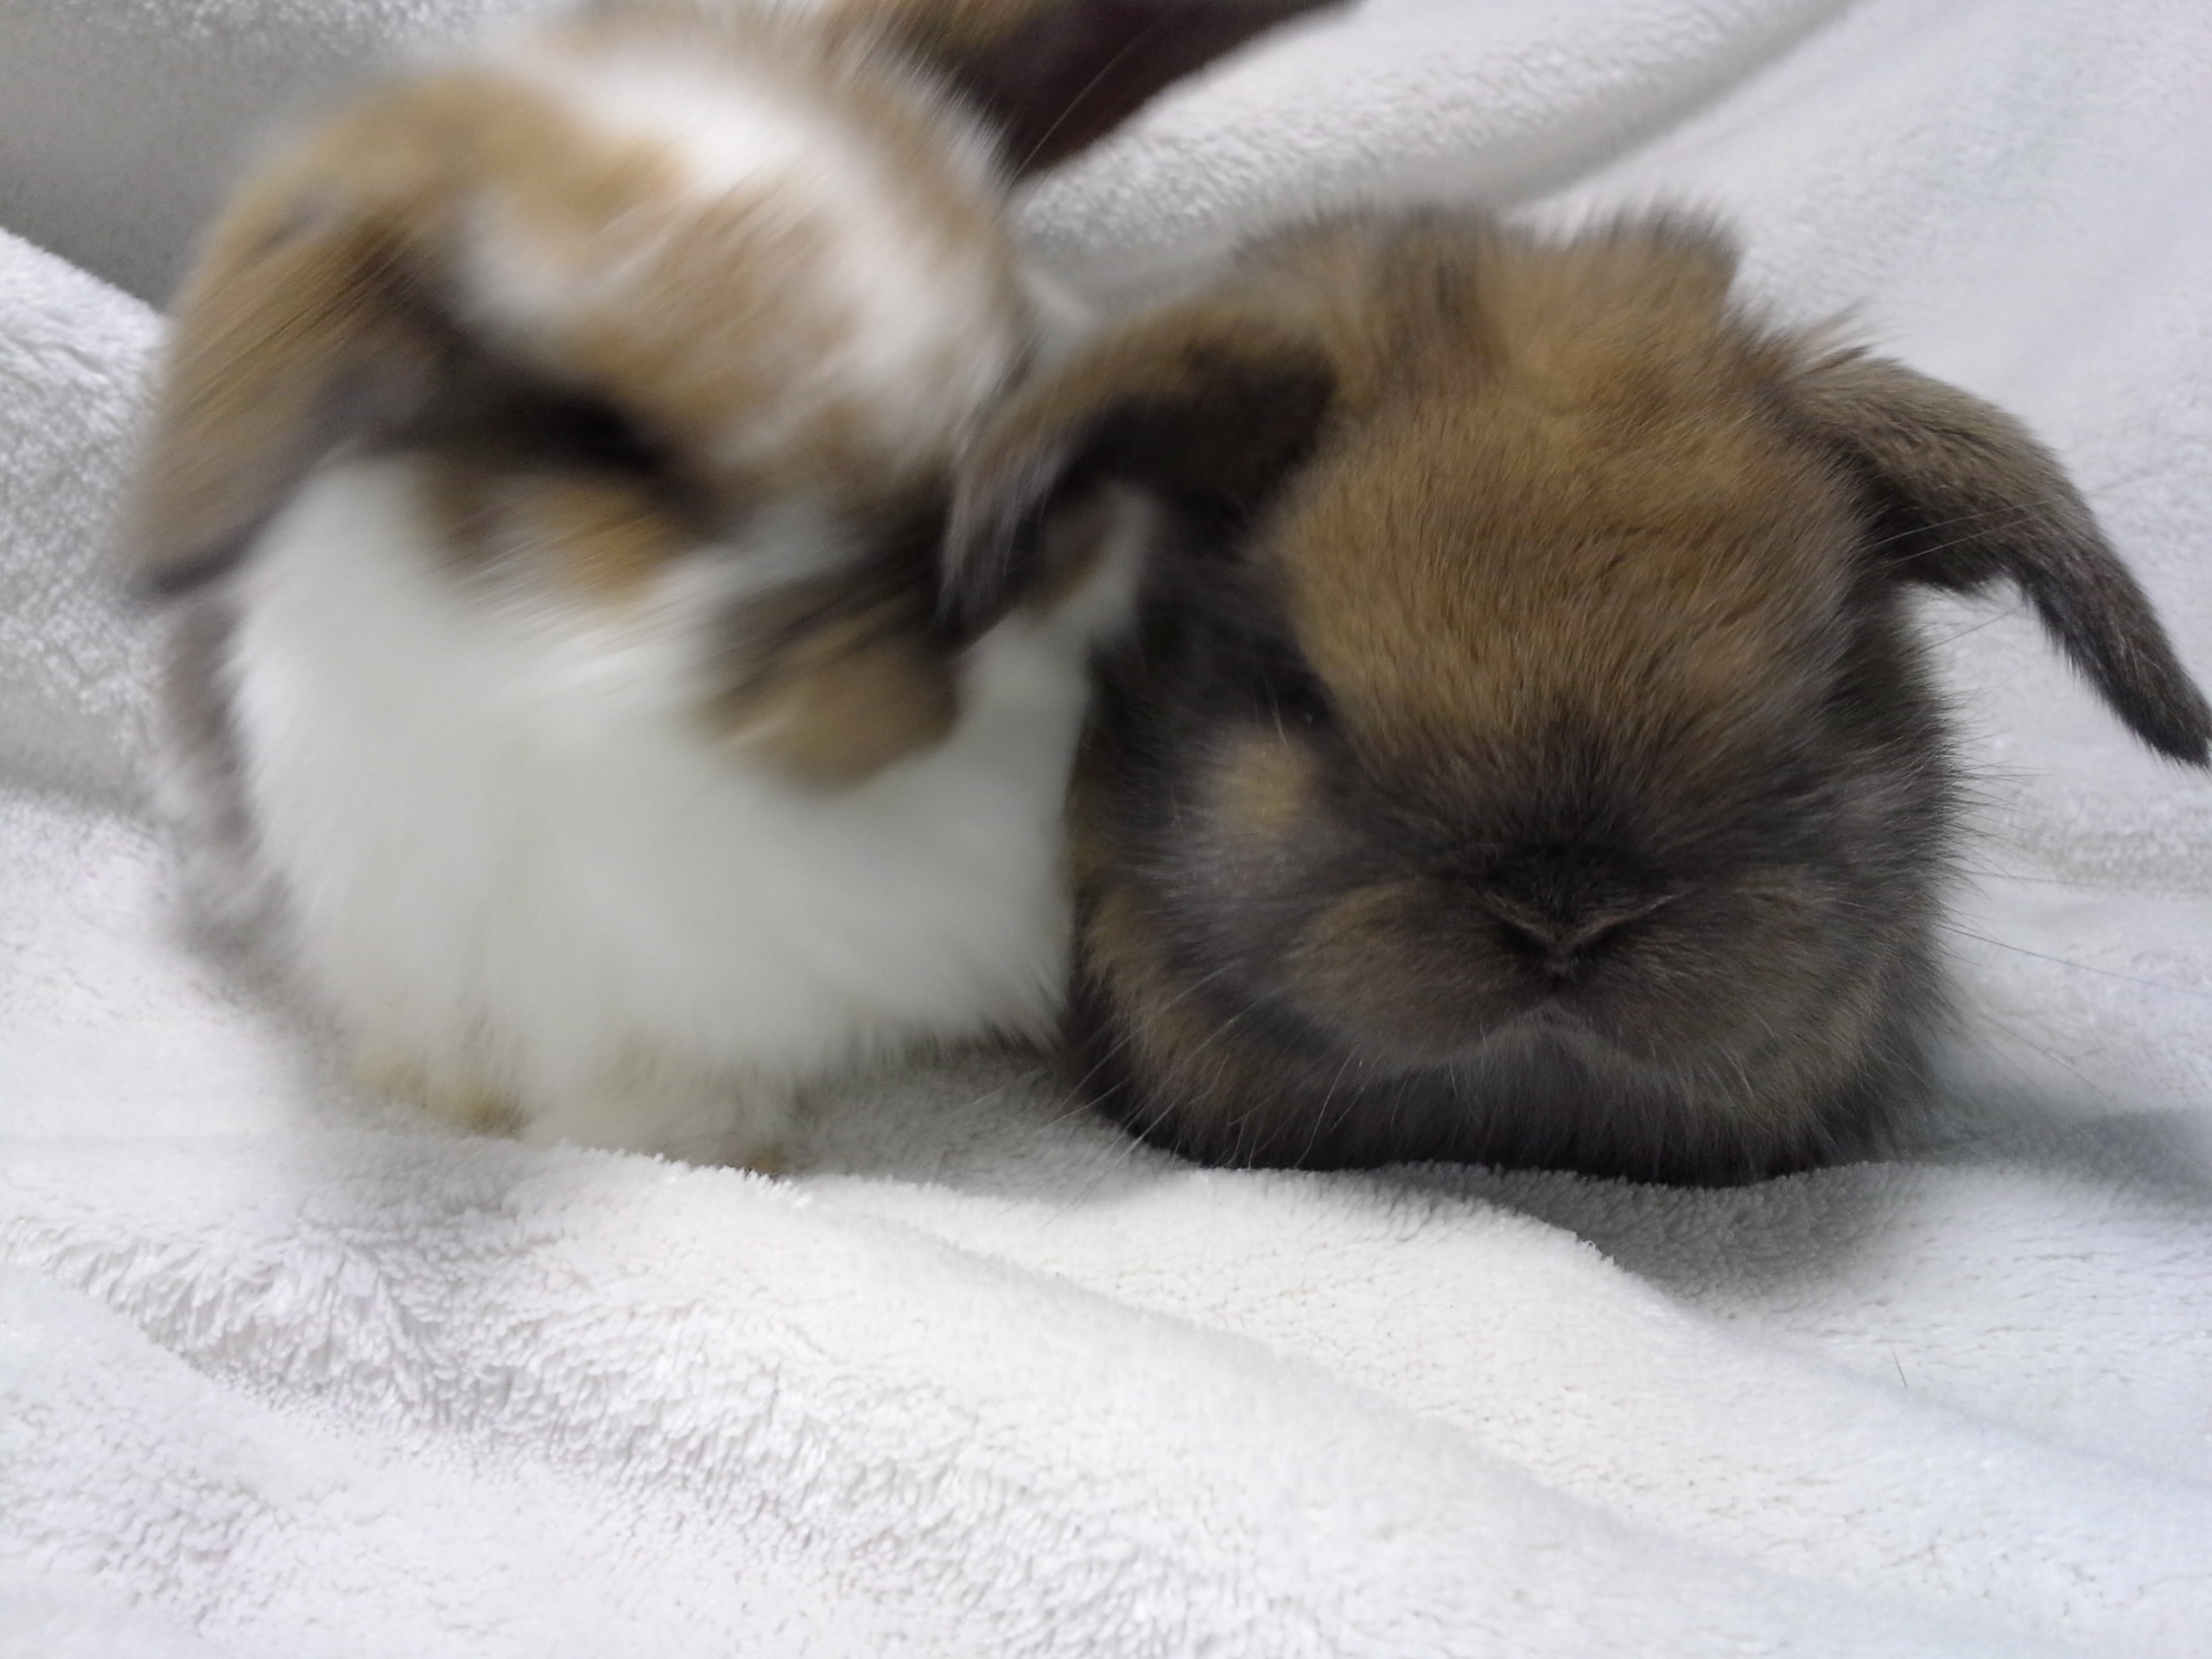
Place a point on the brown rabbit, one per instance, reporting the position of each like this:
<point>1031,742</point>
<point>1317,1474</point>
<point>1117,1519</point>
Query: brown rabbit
<point>1523,755</point>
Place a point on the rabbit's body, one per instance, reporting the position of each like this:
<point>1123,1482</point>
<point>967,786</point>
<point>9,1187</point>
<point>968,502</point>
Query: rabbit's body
<point>1525,755</point>
<point>555,450</point>
<point>523,867</point>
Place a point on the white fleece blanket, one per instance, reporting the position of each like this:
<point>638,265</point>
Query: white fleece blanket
<point>286,1373</point>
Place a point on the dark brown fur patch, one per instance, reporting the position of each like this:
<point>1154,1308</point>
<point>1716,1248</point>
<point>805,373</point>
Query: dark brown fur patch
<point>600,535</point>
<point>832,686</point>
<point>1053,77</point>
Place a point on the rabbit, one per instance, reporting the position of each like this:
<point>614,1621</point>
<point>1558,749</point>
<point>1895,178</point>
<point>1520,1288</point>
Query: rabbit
<point>549,477</point>
<point>1522,753</point>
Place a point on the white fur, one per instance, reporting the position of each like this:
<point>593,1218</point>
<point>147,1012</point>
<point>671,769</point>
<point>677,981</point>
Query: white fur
<point>518,865</point>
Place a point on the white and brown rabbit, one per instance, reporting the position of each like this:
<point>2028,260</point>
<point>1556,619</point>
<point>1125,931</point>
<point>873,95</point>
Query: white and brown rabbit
<point>554,450</point>
<point>1524,755</point>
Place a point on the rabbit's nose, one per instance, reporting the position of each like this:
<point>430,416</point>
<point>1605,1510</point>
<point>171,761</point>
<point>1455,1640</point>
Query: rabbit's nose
<point>1556,913</point>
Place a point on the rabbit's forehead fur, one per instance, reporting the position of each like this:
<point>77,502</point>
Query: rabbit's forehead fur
<point>796,255</point>
<point>1573,499</point>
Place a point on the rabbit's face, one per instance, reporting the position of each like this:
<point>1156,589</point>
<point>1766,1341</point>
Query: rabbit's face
<point>683,333</point>
<point>1518,716</point>
<point>746,266</point>
<point>1550,724</point>
<point>1523,754</point>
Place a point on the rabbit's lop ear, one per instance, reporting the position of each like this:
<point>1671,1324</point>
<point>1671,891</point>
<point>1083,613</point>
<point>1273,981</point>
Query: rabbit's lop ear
<point>1055,76</point>
<point>306,323</point>
<point>1202,408</point>
<point>1966,497</point>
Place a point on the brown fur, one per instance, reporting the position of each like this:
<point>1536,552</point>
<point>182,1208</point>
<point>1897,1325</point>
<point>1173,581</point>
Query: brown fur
<point>1523,756</point>
<point>833,680</point>
<point>595,535</point>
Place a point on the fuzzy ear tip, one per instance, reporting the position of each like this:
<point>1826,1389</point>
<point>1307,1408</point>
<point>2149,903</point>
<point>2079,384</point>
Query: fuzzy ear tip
<point>1066,73</point>
<point>2173,719</point>
<point>2188,739</point>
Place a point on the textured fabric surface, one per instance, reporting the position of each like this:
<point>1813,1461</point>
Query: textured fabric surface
<point>72,668</point>
<point>127,119</point>
<point>285,1372</point>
